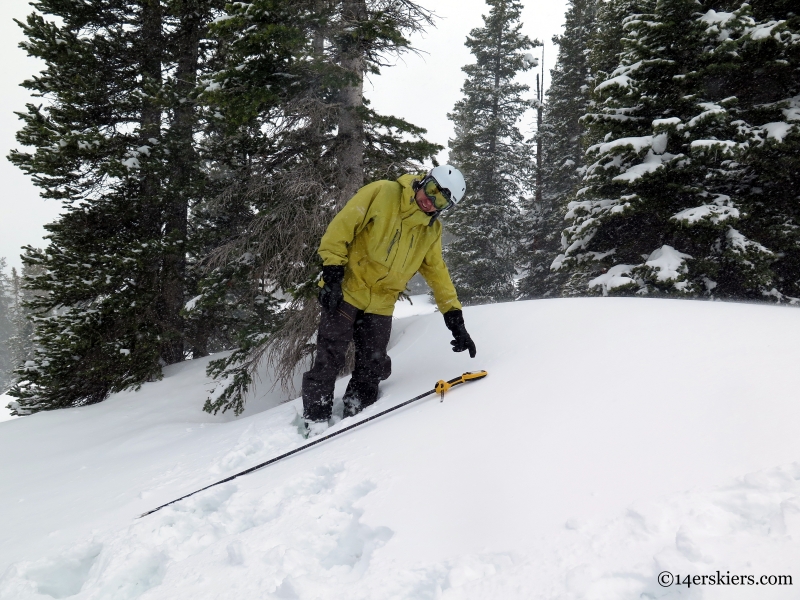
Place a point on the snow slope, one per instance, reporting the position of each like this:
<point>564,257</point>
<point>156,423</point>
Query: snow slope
<point>613,439</point>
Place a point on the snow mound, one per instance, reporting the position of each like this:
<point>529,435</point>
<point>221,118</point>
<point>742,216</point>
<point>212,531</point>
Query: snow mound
<point>613,439</point>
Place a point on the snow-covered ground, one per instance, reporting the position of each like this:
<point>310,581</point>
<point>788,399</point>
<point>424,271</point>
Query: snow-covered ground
<point>612,440</point>
<point>419,304</point>
<point>5,414</point>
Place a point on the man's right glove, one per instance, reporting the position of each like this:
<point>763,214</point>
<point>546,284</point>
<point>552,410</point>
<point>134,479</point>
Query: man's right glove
<point>454,320</point>
<point>331,295</point>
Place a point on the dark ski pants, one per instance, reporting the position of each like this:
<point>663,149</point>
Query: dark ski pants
<point>336,328</point>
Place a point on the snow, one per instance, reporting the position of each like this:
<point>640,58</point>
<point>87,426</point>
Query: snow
<point>668,122</point>
<point>726,146</point>
<point>764,30</point>
<point>131,162</point>
<point>622,81</point>
<point>709,110</point>
<point>656,146</point>
<point>720,210</point>
<point>792,111</point>
<point>5,414</point>
<point>717,22</point>
<point>420,304</point>
<point>777,130</point>
<point>620,77</point>
<point>558,262</point>
<point>739,243</point>
<point>652,162</point>
<point>636,143</point>
<point>222,18</point>
<point>613,439</point>
<point>190,304</point>
<point>668,262</point>
<point>615,277</point>
<point>713,17</point>
<point>659,144</point>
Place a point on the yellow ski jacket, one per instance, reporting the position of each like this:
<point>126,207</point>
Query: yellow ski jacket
<point>383,238</point>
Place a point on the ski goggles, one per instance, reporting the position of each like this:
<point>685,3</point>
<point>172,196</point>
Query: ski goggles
<point>438,196</point>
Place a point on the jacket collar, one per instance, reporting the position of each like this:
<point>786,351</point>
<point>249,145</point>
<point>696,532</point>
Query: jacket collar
<point>408,206</point>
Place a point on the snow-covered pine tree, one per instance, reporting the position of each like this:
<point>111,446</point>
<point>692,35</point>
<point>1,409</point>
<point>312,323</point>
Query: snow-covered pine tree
<point>663,208</point>
<point>609,31</point>
<point>114,143</point>
<point>313,139</point>
<point>494,156</point>
<point>563,151</point>
<point>752,81</point>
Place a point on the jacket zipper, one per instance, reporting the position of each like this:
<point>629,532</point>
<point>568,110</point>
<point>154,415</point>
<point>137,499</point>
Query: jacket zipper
<point>411,245</point>
<point>394,239</point>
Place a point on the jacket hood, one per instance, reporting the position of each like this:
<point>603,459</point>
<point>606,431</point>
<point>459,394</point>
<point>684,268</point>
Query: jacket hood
<point>407,179</point>
<point>407,195</point>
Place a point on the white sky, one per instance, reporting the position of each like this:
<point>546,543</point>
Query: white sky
<point>438,73</point>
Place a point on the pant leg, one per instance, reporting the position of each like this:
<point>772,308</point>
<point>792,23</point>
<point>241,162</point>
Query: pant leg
<point>334,335</point>
<point>371,336</point>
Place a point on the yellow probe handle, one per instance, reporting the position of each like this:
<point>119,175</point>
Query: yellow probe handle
<point>443,386</point>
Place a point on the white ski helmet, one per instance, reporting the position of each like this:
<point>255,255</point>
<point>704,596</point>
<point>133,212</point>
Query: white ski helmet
<point>451,182</point>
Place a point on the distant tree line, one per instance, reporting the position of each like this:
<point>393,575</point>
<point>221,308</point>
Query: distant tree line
<point>669,163</point>
<point>16,325</point>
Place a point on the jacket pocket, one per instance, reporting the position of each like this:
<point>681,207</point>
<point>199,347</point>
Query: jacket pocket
<point>371,272</point>
<point>352,280</point>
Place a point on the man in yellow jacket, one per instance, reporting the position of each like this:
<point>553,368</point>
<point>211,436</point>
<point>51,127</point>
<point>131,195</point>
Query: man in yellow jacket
<point>385,234</point>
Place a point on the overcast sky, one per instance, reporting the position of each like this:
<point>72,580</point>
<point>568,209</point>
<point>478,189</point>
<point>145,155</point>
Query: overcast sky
<point>394,92</point>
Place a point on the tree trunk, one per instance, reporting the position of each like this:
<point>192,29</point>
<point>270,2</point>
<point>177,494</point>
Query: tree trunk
<point>183,173</point>
<point>350,137</point>
<point>539,110</point>
<point>152,44</point>
<point>151,57</point>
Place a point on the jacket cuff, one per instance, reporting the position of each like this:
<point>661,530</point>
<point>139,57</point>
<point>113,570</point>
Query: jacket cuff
<point>332,274</point>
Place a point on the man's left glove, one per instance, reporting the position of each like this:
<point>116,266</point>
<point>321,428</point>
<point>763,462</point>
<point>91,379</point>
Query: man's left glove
<point>331,295</point>
<point>454,320</point>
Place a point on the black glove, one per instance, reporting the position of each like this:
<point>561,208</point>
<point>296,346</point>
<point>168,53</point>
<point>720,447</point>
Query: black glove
<point>330,295</point>
<point>454,320</point>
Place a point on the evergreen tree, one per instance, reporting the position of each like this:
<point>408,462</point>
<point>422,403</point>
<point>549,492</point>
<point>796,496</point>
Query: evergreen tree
<point>310,138</point>
<point>494,156</point>
<point>669,203</point>
<point>257,72</point>
<point>562,138</point>
<point>114,144</point>
<point>753,83</point>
